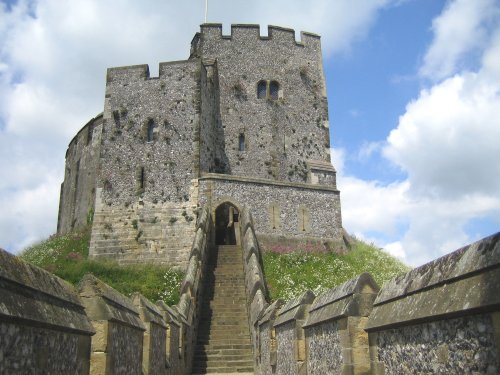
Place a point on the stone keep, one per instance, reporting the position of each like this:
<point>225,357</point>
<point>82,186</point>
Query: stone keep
<point>242,122</point>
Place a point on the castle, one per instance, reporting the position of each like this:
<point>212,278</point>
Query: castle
<point>242,122</point>
<point>230,148</point>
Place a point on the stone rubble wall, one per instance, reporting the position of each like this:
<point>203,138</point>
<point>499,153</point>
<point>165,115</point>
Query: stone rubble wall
<point>255,283</point>
<point>43,325</point>
<point>77,197</point>
<point>281,135</point>
<point>321,224</point>
<point>442,317</point>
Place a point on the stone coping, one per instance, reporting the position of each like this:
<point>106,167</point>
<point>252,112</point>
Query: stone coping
<point>169,315</point>
<point>105,303</point>
<point>270,312</point>
<point>263,181</point>
<point>150,312</point>
<point>357,284</point>
<point>461,263</point>
<point>477,294</point>
<point>353,298</point>
<point>257,27</point>
<point>464,282</point>
<point>294,309</point>
<point>321,165</point>
<point>17,270</point>
<point>32,296</point>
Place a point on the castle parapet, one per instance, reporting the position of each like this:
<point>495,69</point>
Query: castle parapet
<point>244,31</point>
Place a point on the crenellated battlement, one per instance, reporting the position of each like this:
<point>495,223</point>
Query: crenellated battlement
<point>244,31</point>
<point>133,73</point>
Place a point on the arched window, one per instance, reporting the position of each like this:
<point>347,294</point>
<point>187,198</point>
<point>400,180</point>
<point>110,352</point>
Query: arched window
<point>241,142</point>
<point>274,88</point>
<point>261,89</point>
<point>151,127</point>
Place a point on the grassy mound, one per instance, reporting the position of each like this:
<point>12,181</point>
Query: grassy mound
<point>66,256</point>
<point>289,275</point>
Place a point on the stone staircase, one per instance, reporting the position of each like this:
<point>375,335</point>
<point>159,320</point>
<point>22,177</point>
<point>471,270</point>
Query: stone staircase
<point>223,344</point>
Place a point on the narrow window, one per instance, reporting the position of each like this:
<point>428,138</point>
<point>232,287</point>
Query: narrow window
<point>274,88</point>
<point>303,219</point>
<point>261,89</point>
<point>151,127</point>
<point>241,142</point>
<point>141,178</point>
<point>90,131</point>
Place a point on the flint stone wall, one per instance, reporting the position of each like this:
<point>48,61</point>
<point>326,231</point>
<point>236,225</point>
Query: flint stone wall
<point>441,317</point>
<point>171,317</point>
<point>321,223</point>
<point>155,337</point>
<point>77,196</point>
<point>267,339</point>
<point>43,326</point>
<point>290,355</point>
<point>336,340</point>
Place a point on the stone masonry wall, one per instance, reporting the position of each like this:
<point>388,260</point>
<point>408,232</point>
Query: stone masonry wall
<point>146,197</point>
<point>461,345</point>
<point>76,203</point>
<point>281,135</point>
<point>300,211</point>
<point>442,317</point>
<point>43,326</point>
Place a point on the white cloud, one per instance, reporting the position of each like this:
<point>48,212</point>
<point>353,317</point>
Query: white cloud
<point>458,31</point>
<point>447,144</point>
<point>53,60</point>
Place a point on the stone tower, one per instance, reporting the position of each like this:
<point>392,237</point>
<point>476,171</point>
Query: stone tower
<point>242,122</point>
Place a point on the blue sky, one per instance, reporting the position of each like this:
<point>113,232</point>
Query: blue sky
<point>413,89</point>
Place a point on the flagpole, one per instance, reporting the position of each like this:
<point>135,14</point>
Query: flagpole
<point>206,10</point>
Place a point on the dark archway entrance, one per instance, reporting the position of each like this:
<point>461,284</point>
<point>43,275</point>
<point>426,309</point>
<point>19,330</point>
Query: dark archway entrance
<point>227,224</point>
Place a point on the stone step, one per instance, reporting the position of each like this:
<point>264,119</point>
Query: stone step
<point>223,341</point>
<point>222,370</point>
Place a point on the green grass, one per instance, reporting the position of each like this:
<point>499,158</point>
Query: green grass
<point>289,275</point>
<point>66,256</point>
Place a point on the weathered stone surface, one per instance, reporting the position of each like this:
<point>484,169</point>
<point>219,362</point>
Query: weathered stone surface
<point>353,298</point>
<point>250,245</point>
<point>461,263</point>
<point>254,277</point>
<point>118,347</point>
<point>466,279</point>
<point>190,282</point>
<point>43,326</point>
<point>36,296</point>
<point>172,344</point>
<point>454,346</point>
<point>257,307</point>
<point>154,351</point>
<point>286,362</point>
<point>325,349</point>
<point>294,309</point>
<point>105,303</point>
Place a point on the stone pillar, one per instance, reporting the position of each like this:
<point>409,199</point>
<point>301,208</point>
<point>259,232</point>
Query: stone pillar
<point>172,347</point>
<point>290,338</point>
<point>267,339</point>
<point>154,357</point>
<point>117,344</point>
<point>336,340</point>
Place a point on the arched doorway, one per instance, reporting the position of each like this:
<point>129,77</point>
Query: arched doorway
<point>227,224</point>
